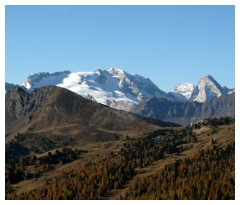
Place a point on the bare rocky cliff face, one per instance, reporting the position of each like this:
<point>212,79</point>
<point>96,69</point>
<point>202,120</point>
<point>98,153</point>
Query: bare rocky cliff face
<point>206,89</point>
<point>185,113</point>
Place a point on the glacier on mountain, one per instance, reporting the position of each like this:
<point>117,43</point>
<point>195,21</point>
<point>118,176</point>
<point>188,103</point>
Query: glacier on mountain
<point>43,79</point>
<point>113,87</point>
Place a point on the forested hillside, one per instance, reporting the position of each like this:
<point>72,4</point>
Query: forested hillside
<point>196,162</point>
<point>208,175</point>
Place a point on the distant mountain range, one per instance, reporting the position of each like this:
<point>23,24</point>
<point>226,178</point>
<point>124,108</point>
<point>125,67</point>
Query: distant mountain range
<point>185,113</point>
<point>121,90</point>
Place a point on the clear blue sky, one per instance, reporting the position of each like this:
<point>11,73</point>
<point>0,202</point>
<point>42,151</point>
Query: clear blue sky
<point>168,44</point>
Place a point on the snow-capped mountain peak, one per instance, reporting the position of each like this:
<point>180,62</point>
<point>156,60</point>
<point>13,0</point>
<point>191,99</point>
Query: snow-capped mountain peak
<point>185,89</point>
<point>208,88</point>
<point>113,87</point>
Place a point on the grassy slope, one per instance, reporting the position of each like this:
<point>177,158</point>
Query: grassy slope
<point>224,136</point>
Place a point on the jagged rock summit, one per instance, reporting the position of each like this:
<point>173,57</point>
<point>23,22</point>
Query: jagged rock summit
<point>207,89</point>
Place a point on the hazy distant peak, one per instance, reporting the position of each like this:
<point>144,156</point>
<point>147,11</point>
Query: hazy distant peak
<point>183,91</point>
<point>208,79</point>
<point>183,87</point>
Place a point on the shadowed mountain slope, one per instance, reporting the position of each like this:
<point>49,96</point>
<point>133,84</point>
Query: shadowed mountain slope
<point>186,112</point>
<point>57,112</point>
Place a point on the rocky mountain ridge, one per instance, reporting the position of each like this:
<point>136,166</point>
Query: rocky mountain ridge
<point>119,89</point>
<point>207,89</point>
<point>59,113</point>
<point>185,113</point>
